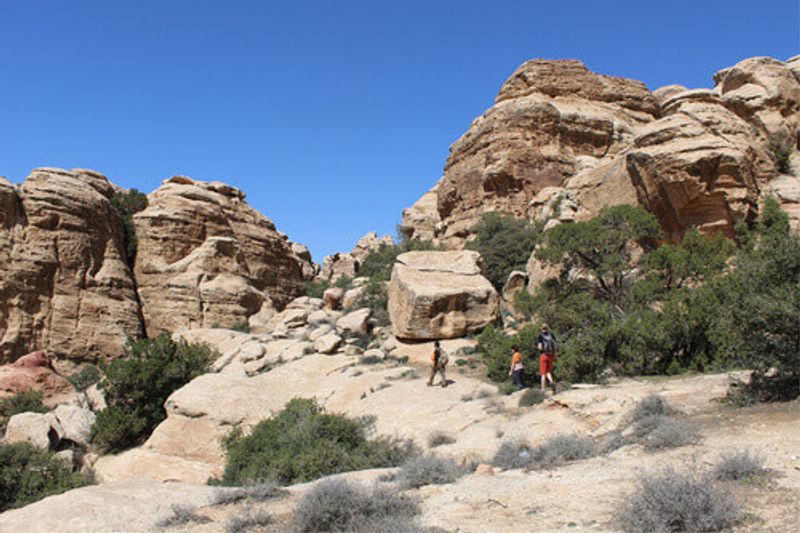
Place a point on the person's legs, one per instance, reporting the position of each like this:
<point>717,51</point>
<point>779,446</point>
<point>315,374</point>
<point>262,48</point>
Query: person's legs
<point>543,369</point>
<point>433,374</point>
<point>519,379</point>
<point>444,379</point>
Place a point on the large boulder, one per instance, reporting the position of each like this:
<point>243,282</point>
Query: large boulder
<point>75,423</point>
<point>66,287</point>
<point>206,257</point>
<point>33,428</point>
<point>435,295</point>
<point>348,264</point>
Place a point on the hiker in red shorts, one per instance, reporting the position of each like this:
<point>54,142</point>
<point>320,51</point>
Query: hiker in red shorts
<point>547,355</point>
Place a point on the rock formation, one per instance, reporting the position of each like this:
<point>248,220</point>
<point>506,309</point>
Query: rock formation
<point>66,287</point>
<point>440,295</point>
<point>348,263</point>
<point>560,135</point>
<point>206,257</point>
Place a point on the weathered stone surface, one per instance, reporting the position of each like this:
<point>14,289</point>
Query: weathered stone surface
<point>352,296</point>
<point>328,343</point>
<point>546,116</point>
<point>436,295</point>
<point>348,264</point>
<point>701,165</point>
<point>764,92</point>
<point>66,287</point>
<point>206,257</point>
<point>76,423</point>
<point>355,323</point>
<point>420,221</point>
<point>33,428</point>
<point>516,282</point>
<point>34,372</point>
<point>333,298</point>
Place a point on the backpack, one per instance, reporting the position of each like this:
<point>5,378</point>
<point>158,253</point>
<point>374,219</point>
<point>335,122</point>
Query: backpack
<point>440,358</point>
<point>548,343</point>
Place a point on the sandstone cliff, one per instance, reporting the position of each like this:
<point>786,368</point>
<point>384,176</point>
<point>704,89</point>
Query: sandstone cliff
<point>66,288</point>
<point>560,133</point>
<point>204,257</point>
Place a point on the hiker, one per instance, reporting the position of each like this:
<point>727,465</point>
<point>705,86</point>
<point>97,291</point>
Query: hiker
<point>547,355</point>
<point>439,361</point>
<point>517,368</point>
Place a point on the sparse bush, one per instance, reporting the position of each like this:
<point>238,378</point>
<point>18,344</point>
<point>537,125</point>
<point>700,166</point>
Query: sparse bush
<point>505,244</point>
<point>22,402</point>
<point>513,454</point>
<point>28,474</point>
<point>429,470</point>
<point>137,385</point>
<point>337,505</point>
<point>739,466</point>
<point>258,492</point>
<point>127,204</point>
<point>653,405</point>
<point>495,348</point>
<point>181,515</point>
<point>562,449</point>
<point>671,501</point>
<point>303,443</point>
<point>659,431</point>
<point>610,442</point>
<point>242,327</point>
<point>782,153</point>
<point>370,360</point>
<point>531,397</point>
<point>247,519</point>
<point>440,438</point>
<point>85,377</point>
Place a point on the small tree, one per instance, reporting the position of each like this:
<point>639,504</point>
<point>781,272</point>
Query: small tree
<point>137,385</point>
<point>601,248</point>
<point>127,204</point>
<point>505,244</point>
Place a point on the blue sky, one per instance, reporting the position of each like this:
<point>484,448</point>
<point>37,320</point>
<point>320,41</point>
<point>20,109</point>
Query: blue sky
<point>332,116</point>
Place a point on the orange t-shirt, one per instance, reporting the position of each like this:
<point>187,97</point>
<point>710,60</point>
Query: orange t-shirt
<point>516,360</point>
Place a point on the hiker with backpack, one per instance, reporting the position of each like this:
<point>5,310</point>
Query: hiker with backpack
<point>439,361</point>
<point>517,368</point>
<point>547,355</point>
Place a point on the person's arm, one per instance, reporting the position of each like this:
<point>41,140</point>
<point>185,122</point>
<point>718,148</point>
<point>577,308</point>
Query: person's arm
<point>511,370</point>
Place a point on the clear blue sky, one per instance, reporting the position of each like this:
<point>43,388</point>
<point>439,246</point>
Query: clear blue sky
<point>332,115</point>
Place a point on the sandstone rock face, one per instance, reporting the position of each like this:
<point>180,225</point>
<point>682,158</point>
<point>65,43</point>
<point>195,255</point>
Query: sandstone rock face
<point>701,165</point>
<point>354,323</point>
<point>66,287</point>
<point>206,257</point>
<point>561,135</point>
<point>435,295</point>
<point>546,116</point>
<point>76,423</point>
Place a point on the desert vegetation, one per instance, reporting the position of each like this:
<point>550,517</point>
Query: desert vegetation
<point>137,385</point>
<point>303,443</point>
<point>127,204</point>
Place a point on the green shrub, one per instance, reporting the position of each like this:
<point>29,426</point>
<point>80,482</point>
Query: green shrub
<point>652,405</point>
<point>671,501</point>
<point>22,402</point>
<point>376,297</point>
<point>127,204</point>
<point>561,449</point>
<point>316,289</point>
<point>337,505</point>
<point>505,244</point>
<point>782,153</point>
<point>137,385</point>
<point>242,327</point>
<point>85,377</point>
<point>439,438</point>
<point>28,474</point>
<point>531,397</point>
<point>303,443</point>
<point>495,348</point>
<point>525,304</point>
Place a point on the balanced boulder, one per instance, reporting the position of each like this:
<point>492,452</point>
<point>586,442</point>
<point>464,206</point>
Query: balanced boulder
<point>440,295</point>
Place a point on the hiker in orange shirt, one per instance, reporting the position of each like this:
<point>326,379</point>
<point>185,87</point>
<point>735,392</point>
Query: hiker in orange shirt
<point>517,368</point>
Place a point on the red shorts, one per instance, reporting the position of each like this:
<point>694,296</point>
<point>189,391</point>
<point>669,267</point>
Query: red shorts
<point>546,363</point>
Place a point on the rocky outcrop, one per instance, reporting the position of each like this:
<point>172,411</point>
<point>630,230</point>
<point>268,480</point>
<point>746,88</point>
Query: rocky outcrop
<point>560,135</point>
<point>348,263</point>
<point>440,295</point>
<point>701,165</point>
<point>546,118</point>
<point>206,257</point>
<point>66,287</point>
<point>34,372</point>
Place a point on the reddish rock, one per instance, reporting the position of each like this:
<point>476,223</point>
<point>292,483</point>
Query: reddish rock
<point>34,372</point>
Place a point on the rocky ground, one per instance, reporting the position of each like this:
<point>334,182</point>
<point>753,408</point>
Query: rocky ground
<point>580,495</point>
